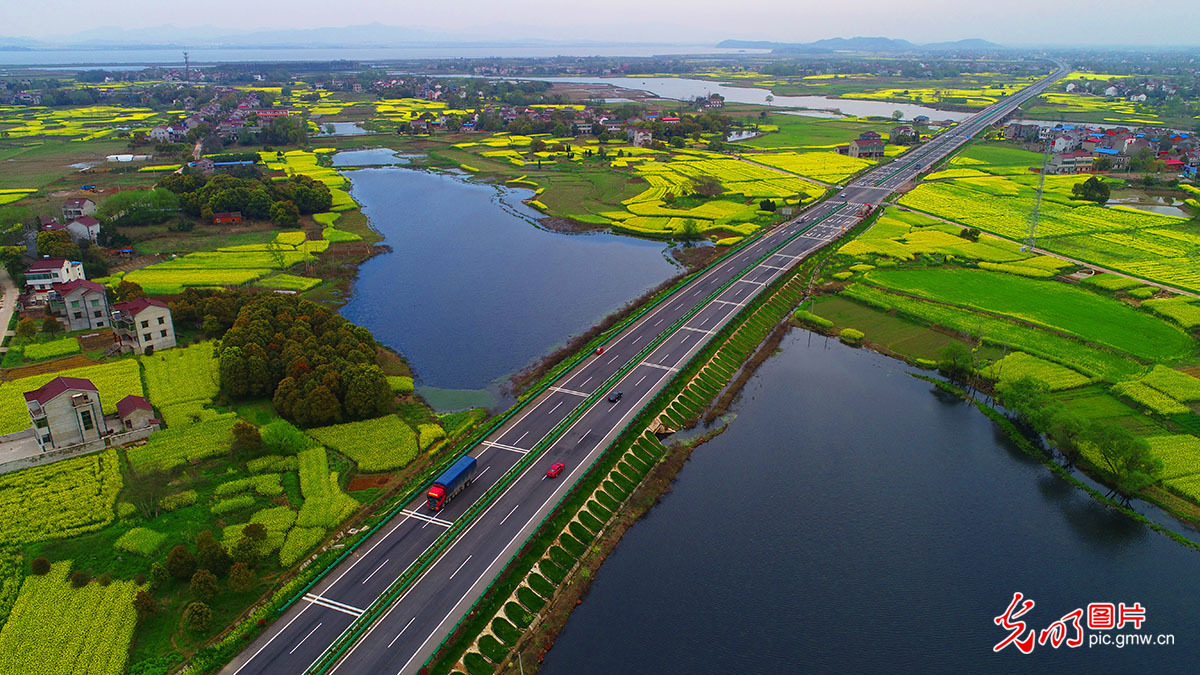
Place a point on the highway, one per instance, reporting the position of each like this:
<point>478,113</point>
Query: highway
<point>406,635</point>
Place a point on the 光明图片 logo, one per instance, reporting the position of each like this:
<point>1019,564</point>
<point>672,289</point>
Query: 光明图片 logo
<point>1099,618</point>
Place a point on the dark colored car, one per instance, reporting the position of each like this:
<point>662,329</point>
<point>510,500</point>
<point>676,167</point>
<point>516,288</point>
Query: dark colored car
<point>555,469</point>
<point>615,396</point>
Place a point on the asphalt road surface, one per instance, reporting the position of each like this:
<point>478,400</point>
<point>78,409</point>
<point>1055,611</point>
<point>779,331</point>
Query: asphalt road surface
<point>411,629</point>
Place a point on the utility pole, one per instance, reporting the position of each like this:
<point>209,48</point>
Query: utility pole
<point>1035,212</point>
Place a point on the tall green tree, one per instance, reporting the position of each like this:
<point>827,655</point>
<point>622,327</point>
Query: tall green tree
<point>1126,456</point>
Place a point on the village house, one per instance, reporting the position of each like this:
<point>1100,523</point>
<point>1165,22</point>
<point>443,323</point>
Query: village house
<point>1076,161</point>
<point>66,411</point>
<point>48,224</point>
<point>45,272</point>
<point>77,207</point>
<point>641,138</point>
<point>141,324</point>
<point>85,228</point>
<point>171,134</point>
<point>135,412</point>
<point>902,133</point>
<point>227,217</point>
<point>866,148</point>
<point>1119,162</point>
<point>82,303</point>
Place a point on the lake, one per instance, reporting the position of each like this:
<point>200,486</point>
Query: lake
<point>852,520</point>
<point>342,129</point>
<point>472,291</point>
<point>369,157</point>
<point>684,89</point>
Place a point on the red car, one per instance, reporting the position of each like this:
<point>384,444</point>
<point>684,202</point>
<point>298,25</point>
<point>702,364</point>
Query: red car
<point>599,350</point>
<point>555,469</point>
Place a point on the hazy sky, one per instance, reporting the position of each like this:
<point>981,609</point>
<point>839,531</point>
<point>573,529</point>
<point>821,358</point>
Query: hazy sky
<point>1098,22</point>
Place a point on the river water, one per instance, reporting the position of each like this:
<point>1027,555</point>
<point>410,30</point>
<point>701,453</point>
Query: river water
<point>684,89</point>
<point>471,291</point>
<point>851,520</point>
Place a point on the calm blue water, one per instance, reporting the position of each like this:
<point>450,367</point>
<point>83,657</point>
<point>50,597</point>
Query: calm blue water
<point>684,89</point>
<point>370,157</point>
<point>852,521</point>
<point>473,292</point>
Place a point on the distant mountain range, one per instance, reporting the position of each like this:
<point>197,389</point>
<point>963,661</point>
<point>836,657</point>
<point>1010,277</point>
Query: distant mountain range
<point>380,35</point>
<point>862,44</point>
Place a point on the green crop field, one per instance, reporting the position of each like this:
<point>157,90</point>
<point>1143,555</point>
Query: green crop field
<point>59,500</point>
<point>1019,365</point>
<point>325,505</point>
<point>230,265</point>
<point>824,166</point>
<point>1089,316</point>
<point>1076,355</point>
<point>1178,385</point>
<point>803,132</point>
<point>52,349</point>
<point>277,520</point>
<point>1096,404</point>
<point>181,374</point>
<point>379,444</point>
<point>904,236</point>
<point>55,629</point>
<point>1150,246</point>
<point>893,332</point>
<point>141,540</point>
<point>1182,310</point>
<point>288,282</point>
<point>177,445</point>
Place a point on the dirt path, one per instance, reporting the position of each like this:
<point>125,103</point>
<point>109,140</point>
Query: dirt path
<point>8,305</point>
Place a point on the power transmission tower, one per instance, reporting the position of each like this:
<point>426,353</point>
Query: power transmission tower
<point>1036,212</point>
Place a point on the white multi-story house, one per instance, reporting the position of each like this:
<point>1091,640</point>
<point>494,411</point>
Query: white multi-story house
<point>66,411</point>
<point>84,228</point>
<point>141,324</point>
<point>45,272</point>
<point>77,207</point>
<point>82,303</point>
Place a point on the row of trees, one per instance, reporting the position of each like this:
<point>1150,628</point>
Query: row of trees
<point>1123,456</point>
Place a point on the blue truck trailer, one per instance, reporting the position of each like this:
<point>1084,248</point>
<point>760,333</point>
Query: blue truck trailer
<point>451,482</point>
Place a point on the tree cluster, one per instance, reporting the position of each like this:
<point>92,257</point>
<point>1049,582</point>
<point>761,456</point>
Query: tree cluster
<point>139,207</point>
<point>1093,190</point>
<point>1125,457</point>
<point>256,199</point>
<point>58,244</point>
<point>209,309</point>
<point>317,367</point>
